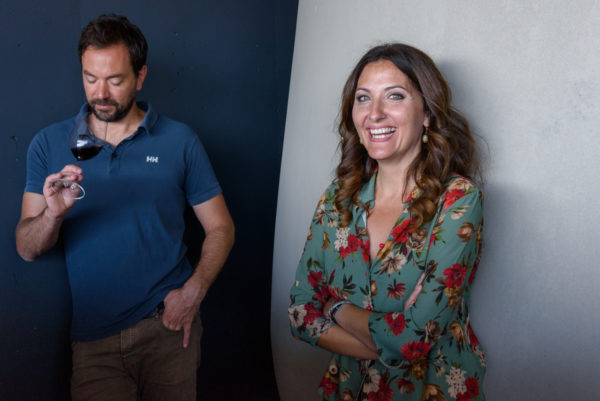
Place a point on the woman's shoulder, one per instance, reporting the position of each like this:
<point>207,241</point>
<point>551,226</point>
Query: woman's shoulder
<point>457,187</point>
<point>329,194</point>
<point>457,182</point>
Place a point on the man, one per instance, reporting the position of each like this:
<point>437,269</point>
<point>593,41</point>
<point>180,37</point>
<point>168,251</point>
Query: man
<point>135,329</point>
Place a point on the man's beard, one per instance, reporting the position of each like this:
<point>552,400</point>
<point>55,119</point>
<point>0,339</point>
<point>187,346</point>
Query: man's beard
<point>118,114</point>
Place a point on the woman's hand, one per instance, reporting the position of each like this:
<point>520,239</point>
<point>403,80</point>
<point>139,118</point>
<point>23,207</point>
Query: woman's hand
<point>328,305</point>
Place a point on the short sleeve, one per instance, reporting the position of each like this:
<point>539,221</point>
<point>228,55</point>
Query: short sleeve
<point>37,165</point>
<point>450,265</point>
<point>200,181</point>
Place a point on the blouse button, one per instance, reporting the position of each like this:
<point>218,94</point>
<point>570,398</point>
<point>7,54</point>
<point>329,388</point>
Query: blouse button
<point>363,371</point>
<point>369,308</point>
<point>381,245</point>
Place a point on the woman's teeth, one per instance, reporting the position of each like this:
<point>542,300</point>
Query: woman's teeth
<point>380,133</point>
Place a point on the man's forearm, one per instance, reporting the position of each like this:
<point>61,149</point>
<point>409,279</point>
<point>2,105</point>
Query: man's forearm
<point>36,235</point>
<point>215,249</point>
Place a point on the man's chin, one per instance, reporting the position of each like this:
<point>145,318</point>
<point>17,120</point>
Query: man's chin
<point>103,116</point>
<point>117,113</point>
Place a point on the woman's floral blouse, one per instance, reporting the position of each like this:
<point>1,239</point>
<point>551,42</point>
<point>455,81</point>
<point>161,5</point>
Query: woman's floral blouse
<point>429,352</point>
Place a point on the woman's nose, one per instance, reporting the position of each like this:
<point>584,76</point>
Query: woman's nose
<point>377,111</point>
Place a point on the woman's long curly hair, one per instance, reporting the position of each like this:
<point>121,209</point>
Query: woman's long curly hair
<point>450,149</point>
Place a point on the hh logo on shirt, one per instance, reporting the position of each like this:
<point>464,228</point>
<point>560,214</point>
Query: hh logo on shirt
<point>151,159</point>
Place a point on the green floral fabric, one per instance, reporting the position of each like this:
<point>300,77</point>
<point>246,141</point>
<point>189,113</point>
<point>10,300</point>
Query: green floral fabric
<point>429,352</point>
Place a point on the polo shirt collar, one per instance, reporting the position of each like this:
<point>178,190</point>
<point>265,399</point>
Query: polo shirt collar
<point>150,118</point>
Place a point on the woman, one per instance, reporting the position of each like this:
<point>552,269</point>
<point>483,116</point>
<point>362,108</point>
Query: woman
<point>385,278</point>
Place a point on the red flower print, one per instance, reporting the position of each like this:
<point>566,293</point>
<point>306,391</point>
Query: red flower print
<point>353,243</point>
<point>405,386</point>
<point>322,294</point>
<point>453,196</point>
<point>345,251</point>
<point>314,278</point>
<point>431,239</point>
<point>455,275</point>
<point>329,386</point>
<point>396,322</point>
<point>472,387</point>
<point>400,233</point>
<point>415,350</point>
<point>472,337</point>
<point>312,313</point>
<point>396,291</point>
<point>384,393</point>
<point>472,390</point>
<point>333,292</point>
<point>364,247</point>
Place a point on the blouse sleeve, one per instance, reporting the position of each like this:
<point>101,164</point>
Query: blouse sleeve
<point>309,291</point>
<point>449,266</point>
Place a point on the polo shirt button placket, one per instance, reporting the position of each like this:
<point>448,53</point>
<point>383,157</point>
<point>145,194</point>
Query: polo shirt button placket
<point>113,161</point>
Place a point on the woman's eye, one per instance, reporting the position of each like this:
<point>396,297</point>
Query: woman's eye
<point>361,98</point>
<point>396,96</point>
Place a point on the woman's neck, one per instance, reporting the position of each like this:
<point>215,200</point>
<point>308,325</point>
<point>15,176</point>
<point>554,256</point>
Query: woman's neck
<point>393,184</point>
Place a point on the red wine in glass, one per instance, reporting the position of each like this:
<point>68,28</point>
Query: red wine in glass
<point>84,145</point>
<point>85,151</point>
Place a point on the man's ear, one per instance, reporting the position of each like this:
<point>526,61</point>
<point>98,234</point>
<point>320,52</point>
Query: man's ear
<point>141,76</point>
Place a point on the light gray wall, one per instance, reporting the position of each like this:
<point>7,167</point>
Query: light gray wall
<point>527,75</point>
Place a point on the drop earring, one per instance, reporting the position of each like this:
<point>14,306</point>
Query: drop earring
<point>425,138</point>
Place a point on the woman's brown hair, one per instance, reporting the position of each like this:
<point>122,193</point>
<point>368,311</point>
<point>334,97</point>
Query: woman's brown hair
<point>450,149</point>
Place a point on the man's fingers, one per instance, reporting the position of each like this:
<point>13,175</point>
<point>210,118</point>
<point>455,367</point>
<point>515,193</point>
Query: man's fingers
<point>72,169</point>
<point>173,327</point>
<point>170,323</point>
<point>187,329</point>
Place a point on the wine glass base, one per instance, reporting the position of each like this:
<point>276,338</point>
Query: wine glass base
<point>68,189</point>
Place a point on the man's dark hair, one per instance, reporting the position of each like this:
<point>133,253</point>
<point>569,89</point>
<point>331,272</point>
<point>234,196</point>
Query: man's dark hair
<point>112,29</point>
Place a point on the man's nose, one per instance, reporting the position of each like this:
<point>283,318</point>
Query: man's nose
<point>102,91</point>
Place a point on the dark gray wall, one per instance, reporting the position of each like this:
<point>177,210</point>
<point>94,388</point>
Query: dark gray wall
<point>222,67</point>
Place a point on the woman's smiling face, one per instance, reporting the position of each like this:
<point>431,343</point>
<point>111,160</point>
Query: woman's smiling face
<point>388,114</point>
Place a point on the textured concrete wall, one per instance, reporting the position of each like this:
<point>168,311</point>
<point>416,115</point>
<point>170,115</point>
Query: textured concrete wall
<point>526,74</point>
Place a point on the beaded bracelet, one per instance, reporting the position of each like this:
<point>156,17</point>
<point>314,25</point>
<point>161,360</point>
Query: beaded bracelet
<point>335,308</point>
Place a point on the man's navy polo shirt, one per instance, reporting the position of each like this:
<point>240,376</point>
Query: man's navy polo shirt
<point>124,241</point>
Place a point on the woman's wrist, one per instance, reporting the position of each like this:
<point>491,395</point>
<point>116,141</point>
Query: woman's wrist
<point>335,308</point>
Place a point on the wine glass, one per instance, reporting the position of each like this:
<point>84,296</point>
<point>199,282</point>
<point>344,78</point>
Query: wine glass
<point>84,145</point>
